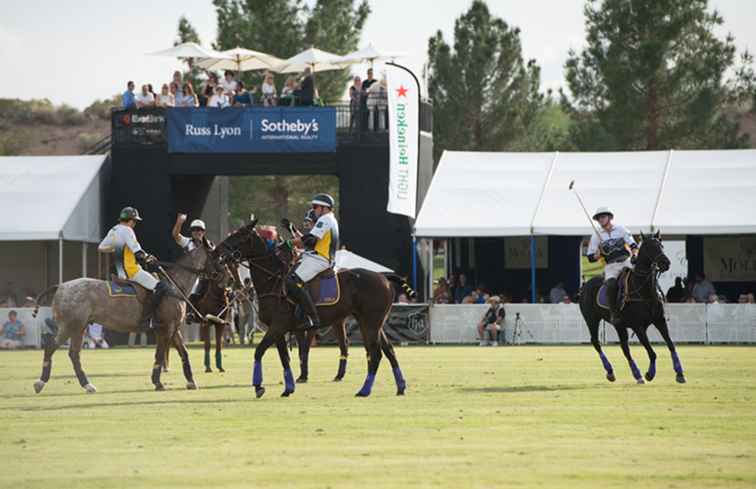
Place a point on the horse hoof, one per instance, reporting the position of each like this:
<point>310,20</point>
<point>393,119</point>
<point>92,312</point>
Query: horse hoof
<point>221,370</point>
<point>301,380</point>
<point>39,385</point>
<point>192,386</point>
<point>259,391</point>
<point>208,370</point>
<point>610,377</point>
<point>639,381</point>
<point>649,376</point>
<point>159,387</point>
<point>165,370</point>
<point>287,393</point>
<point>680,379</point>
<point>400,391</point>
<point>337,379</point>
<point>90,389</point>
<point>362,394</point>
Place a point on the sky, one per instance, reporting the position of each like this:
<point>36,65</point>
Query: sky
<point>76,51</point>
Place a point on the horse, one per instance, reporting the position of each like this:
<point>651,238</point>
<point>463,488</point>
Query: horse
<point>366,295</point>
<point>643,307</point>
<point>78,302</point>
<point>215,304</point>
<point>304,340</point>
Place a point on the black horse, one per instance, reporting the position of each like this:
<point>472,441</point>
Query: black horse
<point>644,307</point>
<point>366,295</point>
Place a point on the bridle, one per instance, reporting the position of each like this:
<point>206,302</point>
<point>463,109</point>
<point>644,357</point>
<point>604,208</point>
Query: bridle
<point>651,275</point>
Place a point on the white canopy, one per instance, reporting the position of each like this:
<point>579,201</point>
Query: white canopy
<point>50,197</point>
<point>480,194</point>
<point>314,58</point>
<point>347,259</point>
<point>240,59</point>
<point>189,50</point>
<point>370,54</point>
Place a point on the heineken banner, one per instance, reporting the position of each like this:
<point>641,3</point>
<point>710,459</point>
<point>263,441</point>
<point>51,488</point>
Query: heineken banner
<point>252,130</point>
<point>406,324</point>
<point>404,124</point>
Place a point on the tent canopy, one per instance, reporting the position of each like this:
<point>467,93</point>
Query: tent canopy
<point>346,259</point>
<point>50,197</point>
<point>478,194</point>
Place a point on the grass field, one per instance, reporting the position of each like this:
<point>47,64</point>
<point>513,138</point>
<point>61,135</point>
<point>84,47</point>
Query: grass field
<point>472,417</point>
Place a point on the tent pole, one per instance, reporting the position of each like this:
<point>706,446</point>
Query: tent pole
<point>414,262</point>
<point>60,261</point>
<point>83,258</point>
<point>532,269</point>
<point>430,269</point>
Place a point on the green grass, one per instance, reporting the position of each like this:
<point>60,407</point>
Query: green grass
<point>472,417</point>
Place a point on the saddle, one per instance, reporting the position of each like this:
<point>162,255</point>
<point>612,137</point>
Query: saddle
<point>324,288</point>
<point>623,290</point>
<point>118,287</point>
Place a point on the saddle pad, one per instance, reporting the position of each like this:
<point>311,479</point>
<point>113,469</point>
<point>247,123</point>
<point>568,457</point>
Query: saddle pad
<point>118,290</point>
<point>329,291</point>
<point>602,299</point>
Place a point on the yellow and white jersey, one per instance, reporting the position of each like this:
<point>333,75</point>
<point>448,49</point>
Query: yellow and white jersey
<point>326,229</point>
<point>122,241</point>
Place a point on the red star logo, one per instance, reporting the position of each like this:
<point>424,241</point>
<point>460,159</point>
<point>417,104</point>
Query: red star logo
<point>401,91</point>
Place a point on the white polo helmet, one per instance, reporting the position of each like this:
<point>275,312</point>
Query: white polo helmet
<point>198,223</point>
<point>603,211</point>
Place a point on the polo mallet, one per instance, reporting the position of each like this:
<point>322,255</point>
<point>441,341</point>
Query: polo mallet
<point>207,317</point>
<point>593,225</point>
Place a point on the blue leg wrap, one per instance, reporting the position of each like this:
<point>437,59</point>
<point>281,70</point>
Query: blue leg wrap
<point>676,363</point>
<point>342,368</point>
<point>257,377</point>
<point>652,369</point>
<point>607,364</point>
<point>636,371</point>
<point>399,378</point>
<point>367,387</point>
<point>288,380</point>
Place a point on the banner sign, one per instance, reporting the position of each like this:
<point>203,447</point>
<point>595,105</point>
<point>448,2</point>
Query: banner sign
<point>517,252</point>
<point>406,324</point>
<point>404,124</point>
<point>141,127</point>
<point>252,130</point>
<point>730,258</point>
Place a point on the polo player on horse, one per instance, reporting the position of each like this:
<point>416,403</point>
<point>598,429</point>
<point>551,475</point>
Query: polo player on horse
<point>320,244</point>
<point>618,247</point>
<point>198,238</point>
<point>131,261</point>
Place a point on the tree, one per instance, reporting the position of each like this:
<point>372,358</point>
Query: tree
<point>286,27</point>
<point>654,76</point>
<point>187,33</point>
<point>484,95</point>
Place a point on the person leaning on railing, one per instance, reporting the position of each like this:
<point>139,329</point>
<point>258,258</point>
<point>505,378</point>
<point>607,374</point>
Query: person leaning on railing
<point>243,96</point>
<point>188,99</point>
<point>145,99</point>
<point>127,99</point>
<point>166,98</point>
<point>287,93</point>
<point>268,91</point>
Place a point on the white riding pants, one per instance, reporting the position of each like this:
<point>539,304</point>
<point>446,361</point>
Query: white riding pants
<point>146,280</point>
<point>613,270</point>
<point>311,265</point>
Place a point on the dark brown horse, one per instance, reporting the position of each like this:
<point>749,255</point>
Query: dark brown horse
<point>305,339</point>
<point>366,295</point>
<point>215,302</point>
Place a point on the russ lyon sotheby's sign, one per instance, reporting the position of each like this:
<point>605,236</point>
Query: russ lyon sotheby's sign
<point>251,130</point>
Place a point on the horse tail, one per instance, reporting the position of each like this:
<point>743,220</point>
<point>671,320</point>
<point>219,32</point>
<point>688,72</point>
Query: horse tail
<point>401,284</point>
<point>47,292</point>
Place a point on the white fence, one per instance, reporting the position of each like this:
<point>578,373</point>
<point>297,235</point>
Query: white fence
<point>563,324</point>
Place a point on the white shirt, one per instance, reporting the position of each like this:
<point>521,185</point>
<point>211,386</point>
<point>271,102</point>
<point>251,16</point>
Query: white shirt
<point>326,229</point>
<point>186,243</point>
<point>218,101</point>
<point>268,89</point>
<point>167,100</point>
<point>229,86</point>
<point>142,100</point>
<point>119,236</point>
<point>611,238</point>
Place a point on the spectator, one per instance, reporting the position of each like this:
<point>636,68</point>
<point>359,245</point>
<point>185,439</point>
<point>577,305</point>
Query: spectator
<point>13,332</point>
<point>305,94</point>
<point>743,299</point>
<point>690,300</point>
<point>188,99</point>
<point>154,95</point>
<point>287,92</point>
<point>492,322</point>
<point>713,299</point>
<point>702,289</point>
<point>566,299</point>
<point>461,290</point>
<point>750,299</point>
<point>355,97</point>
<point>93,337</point>
<point>228,83</point>
<point>377,103</point>
<point>242,97</point>
<point>179,82</point>
<point>219,99</point>
<point>268,94</point>
<point>207,90</point>
<point>557,293</point>
<point>366,83</point>
<point>166,98</point>
<point>479,295</point>
<point>677,292</point>
<point>145,99</point>
<point>128,99</point>
<point>442,295</point>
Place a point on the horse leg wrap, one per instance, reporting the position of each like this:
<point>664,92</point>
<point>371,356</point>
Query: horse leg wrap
<point>636,371</point>
<point>289,385</point>
<point>676,363</point>
<point>651,370</point>
<point>367,387</point>
<point>207,358</point>
<point>156,374</point>
<point>257,376</point>
<point>399,378</point>
<point>342,368</point>
<point>607,364</point>
<point>46,368</point>
<point>219,360</point>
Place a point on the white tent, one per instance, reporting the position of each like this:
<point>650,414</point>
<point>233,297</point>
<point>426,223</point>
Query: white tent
<point>477,194</point>
<point>347,259</point>
<point>50,197</point>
